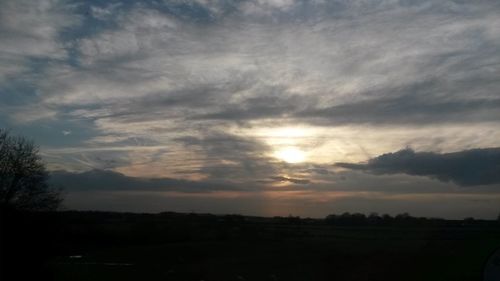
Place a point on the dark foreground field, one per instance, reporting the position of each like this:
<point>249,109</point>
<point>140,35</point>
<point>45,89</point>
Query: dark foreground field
<point>113,246</point>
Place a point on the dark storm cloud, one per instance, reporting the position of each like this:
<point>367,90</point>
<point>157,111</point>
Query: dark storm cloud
<point>465,168</point>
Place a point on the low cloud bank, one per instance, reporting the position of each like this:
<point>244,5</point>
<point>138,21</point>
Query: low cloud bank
<point>465,168</point>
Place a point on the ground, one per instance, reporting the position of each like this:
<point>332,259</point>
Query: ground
<point>195,247</point>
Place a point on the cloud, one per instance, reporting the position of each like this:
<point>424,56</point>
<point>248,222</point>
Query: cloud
<point>305,204</point>
<point>231,157</point>
<point>465,168</point>
<point>179,89</point>
<point>31,29</point>
<point>291,180</point>
<point>175,104</point>
<point>30,34</point>
<point>104,13</point>
<point>105,180</point>
<point>407,109</point>
<point>331,63</point>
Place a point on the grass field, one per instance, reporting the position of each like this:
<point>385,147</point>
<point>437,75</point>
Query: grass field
<point>218,248</point>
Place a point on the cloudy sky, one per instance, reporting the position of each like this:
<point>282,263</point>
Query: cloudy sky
<point>260,107</point>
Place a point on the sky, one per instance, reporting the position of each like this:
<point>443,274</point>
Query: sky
<point>260,107</point>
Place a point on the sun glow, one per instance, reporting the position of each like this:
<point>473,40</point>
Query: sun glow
<point>285,135</point>
<point>290,155</point>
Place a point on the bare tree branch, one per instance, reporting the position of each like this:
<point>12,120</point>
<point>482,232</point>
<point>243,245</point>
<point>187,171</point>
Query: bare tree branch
<point>23,178</point>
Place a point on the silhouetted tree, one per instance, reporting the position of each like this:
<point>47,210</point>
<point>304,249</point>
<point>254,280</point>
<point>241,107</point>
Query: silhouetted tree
<point>23,178</point>
<point>403,216</point>
<point>386,218</point>
<point>374,218</point>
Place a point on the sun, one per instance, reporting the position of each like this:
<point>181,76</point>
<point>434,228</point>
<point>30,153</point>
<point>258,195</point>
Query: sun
<point>291,155</point>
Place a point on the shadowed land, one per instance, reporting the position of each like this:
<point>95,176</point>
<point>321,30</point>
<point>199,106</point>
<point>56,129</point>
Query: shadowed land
<point>172,246</point>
